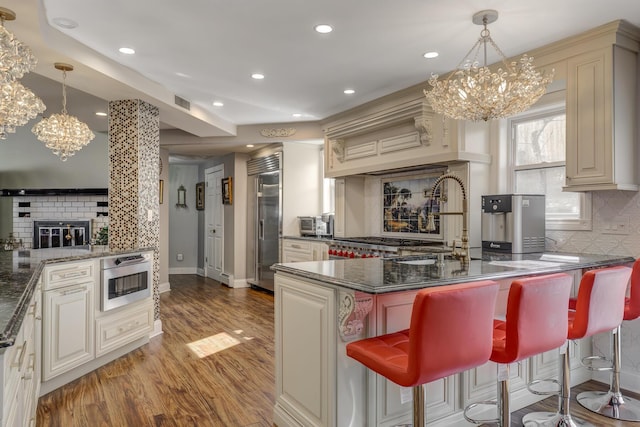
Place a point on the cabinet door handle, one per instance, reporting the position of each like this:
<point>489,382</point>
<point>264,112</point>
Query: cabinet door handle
<point>74,291</point>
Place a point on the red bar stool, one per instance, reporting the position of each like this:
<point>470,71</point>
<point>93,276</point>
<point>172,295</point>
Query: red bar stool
<point>535,322</point>
<point>598,308</point>
<point>450,332</point>
<point>613,404</point>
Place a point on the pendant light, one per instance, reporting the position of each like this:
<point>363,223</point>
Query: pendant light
<point>62,133</point>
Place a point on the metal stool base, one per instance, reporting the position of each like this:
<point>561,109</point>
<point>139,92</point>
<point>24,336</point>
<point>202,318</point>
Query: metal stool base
<point>612,405</point>
<point>553,419</point>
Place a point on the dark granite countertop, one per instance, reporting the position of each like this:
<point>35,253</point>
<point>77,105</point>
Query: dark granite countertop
<point>19,273</point>
<point>382,275</point>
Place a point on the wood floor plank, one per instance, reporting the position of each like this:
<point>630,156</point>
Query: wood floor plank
<point>166,384</point>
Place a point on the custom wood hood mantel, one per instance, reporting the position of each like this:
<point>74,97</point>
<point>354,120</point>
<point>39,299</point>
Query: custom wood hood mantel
<point>386,135</point>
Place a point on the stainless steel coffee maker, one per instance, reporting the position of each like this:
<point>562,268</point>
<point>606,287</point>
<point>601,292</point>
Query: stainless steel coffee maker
<point>513,223</point>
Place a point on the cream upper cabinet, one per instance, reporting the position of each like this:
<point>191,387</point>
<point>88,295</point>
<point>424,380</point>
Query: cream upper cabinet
<point>601,117</point>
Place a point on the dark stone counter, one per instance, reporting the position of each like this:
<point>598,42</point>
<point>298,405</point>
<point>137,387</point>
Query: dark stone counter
<point>382,275</point>
<point>19,274</point>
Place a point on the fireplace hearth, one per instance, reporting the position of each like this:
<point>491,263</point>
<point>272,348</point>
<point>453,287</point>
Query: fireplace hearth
<point>61,234</point>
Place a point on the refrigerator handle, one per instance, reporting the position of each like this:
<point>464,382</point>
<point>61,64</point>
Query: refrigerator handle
<point>261,230</point>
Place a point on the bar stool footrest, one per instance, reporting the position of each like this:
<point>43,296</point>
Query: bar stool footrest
<point>480,420</point>
<point>611,405</point>
<point>532,384</point>
<point>587,362</point>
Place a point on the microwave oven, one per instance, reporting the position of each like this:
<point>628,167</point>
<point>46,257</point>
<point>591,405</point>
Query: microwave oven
<point>319,226</point>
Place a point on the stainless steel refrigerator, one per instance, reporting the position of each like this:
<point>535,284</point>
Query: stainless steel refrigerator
<point>267,217</point>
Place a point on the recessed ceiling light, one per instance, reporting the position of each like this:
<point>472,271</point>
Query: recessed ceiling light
<point>101,113</point>
<point>127,50</point>
<point>179,74</point>
<point>297,115</point>
<point>218,104</point>
<point>65,23</point>
<point>250,145</point>
<point>323,28</point>
<point>257,76</point>
<point>430,55</point>
<point>349,91</point>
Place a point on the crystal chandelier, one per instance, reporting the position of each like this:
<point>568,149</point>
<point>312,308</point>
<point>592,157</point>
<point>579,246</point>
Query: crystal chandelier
<point>16,58</point>
<point>18,104</point>
<point>473,92</point>
<point>62,133</point>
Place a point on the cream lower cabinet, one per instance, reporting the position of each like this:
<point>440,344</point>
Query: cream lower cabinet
<point>68,329</point>
<point>296,250</point>
<point>117,328</point>
<point>68,317</point>
<point>19,370</point>
<point>305,330</point>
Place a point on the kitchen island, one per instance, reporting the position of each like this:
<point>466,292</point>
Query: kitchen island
<point>53,328</point>
<point>321,306</point>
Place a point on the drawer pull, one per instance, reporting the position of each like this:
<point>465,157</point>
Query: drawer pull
<point>72,274</point>
<point>74,291</point>
<point>20,358</point>
<point>296,246</point>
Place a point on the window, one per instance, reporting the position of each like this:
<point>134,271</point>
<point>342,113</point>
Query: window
<point>538,146</point>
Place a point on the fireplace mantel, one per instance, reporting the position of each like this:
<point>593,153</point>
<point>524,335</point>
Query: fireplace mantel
<point>53,192</point>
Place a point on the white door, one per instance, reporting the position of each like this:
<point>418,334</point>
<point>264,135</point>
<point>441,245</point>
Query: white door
<point>214,223</point>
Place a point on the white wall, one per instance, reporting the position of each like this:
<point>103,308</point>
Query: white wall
<point>183,222</point>
<point>163,254</point>
<point>26,163</point>
<point>301,185</point>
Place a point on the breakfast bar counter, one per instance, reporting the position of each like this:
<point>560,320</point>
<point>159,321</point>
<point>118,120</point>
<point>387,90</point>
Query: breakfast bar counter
<point>321,306</point>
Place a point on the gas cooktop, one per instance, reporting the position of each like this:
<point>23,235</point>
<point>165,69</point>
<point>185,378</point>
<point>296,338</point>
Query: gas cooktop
<point>387,241</point>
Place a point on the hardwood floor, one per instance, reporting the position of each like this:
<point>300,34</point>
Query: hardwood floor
<point>165,383</point>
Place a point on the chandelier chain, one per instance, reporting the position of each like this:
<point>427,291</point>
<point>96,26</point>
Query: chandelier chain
<point>64,92</point>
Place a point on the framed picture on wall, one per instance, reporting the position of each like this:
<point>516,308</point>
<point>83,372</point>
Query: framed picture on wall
<point>200,196</point>
<point>227,191</point>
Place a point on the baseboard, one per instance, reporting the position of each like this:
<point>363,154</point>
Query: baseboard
<point>200,272</point>
<point>157,328</point>
<point>241,283</point>
<point>183,270</point>
<point>164,287</point>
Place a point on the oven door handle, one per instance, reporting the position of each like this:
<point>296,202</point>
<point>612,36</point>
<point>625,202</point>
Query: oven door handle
<point>119,262</point>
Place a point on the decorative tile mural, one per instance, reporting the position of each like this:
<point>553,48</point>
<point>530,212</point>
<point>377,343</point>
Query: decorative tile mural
<point>406,202</point>
<point>134,153</point>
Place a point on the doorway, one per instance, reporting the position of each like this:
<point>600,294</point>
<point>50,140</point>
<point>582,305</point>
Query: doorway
<point>214,223</point>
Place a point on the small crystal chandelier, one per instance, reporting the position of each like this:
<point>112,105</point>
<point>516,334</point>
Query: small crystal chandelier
<point>18,104</point>
<point>62,133</point>
<point>473,92</point>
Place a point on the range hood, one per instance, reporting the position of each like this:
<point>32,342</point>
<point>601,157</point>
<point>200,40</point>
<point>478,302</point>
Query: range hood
<point>54,192</point>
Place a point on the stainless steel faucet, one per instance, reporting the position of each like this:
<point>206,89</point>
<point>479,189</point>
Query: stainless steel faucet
<point>463,254</point>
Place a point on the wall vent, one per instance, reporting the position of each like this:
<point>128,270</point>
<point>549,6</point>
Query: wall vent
<point>181,102</point>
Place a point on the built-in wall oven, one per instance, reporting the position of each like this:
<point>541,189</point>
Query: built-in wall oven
<point>125,279</point>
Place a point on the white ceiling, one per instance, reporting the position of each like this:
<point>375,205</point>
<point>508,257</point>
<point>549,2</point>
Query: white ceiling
<point>376,48</point>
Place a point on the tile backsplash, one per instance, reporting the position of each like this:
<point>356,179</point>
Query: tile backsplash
<point>616,227</point>
<point>616,231</point>
<point>73,207</point>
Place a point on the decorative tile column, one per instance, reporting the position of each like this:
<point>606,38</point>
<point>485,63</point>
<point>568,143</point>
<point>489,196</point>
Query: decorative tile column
<point>134,152</point>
